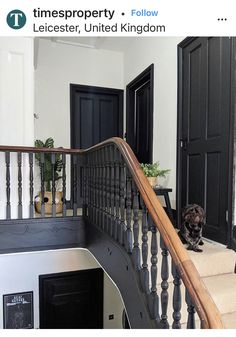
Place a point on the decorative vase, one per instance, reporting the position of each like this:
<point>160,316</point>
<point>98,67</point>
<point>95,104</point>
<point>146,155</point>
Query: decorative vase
<point>152,181</point>
<point>48,202</point>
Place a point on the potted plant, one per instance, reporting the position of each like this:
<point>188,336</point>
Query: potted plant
<point>49,143</point>
<point>152,171</point>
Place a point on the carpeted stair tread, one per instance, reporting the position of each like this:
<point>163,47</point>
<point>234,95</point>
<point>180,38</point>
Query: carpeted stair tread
<point>223,291</point>
<point>229,320</point>
<point>215,259</point>
<point>216,267</point>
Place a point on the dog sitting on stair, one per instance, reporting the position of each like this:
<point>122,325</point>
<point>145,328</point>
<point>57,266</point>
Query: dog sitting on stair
<point>191,229</point>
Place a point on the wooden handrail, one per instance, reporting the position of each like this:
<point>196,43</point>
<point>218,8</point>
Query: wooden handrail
<point>28,149</point>
<point>206,308</point>
<point>208,312</point>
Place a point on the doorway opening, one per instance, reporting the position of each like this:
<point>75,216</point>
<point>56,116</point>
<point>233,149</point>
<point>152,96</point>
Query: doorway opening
<point>139,115</point>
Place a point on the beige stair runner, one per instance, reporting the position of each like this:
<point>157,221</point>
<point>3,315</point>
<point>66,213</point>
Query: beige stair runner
<point>216,267</point>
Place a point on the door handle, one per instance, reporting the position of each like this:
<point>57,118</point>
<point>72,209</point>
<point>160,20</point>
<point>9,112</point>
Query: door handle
<point>183,143</point>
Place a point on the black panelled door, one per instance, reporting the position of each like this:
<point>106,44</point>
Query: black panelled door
<point>71,300</point>
<point>204,131</point>
<point>96,115</point>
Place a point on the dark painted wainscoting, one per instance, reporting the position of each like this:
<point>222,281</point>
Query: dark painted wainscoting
<point>41,234</point>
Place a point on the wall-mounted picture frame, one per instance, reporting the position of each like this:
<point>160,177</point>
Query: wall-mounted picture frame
<point>18,311</point>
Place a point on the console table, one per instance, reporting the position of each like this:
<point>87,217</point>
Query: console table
<point>165,193</point>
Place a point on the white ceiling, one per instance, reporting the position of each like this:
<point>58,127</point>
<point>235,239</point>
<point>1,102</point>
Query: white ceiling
<point>108,43</point>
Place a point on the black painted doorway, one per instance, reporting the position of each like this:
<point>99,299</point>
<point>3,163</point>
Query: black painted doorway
<point>139,115</point>
<point>204,132</point>
<point>71,300</point>
<point>96,115</point>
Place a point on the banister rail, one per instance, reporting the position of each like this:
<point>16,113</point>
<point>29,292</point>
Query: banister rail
<point>28,149</point>
<point>118,199</point>
<point>203,303</point>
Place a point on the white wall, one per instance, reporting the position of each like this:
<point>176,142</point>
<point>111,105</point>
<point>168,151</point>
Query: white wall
<point>20,273</point>
<point>162,51</point>
<point>16,113</point>
<point>16,91</point>
<point>58,65</point>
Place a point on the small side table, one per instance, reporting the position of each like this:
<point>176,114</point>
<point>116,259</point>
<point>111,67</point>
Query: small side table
<point>165,192</point>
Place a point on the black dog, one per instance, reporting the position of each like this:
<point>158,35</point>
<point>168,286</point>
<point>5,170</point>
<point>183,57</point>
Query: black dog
<point>191,229</point>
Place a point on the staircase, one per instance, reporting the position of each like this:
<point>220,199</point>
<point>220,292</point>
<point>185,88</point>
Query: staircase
<point>127,230</point>
<point>216,267</point>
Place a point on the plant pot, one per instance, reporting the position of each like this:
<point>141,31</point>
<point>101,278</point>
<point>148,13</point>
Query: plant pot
<point>48,202</point>
<point>152,181</point>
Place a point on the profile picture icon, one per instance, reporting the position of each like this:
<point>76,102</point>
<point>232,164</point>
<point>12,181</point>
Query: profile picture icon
<point>16,19</point>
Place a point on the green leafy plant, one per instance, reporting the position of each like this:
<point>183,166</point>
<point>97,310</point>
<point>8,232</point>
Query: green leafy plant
<point>153,170</point>
<point>49,143</point>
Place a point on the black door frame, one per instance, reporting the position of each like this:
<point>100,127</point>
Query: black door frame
<point>95,90</point>
<point>232,143</point>
<point>147,74</point>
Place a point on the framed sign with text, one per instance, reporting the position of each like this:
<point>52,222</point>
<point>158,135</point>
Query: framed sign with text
<point>18,311</point>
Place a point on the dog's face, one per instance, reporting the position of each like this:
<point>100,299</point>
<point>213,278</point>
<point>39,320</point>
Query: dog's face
<point>196,227</point>
<point>194,216</point>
